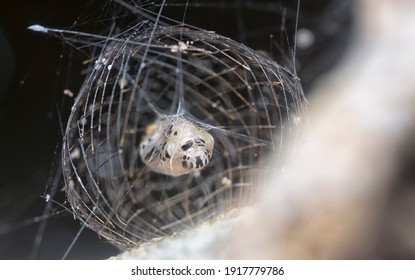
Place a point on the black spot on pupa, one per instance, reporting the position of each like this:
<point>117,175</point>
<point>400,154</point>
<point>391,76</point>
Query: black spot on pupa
<point>175,133</point>
<point>184,157</point>
<point>184,164</point>
<point>200,141</point>
<point>170,129</point>
<point>187,145</point>
<point>142,146</point>
<point>206,161</point>
<point>149,154</point>
<point>191,165</point>
<point>199,162</point>
<point>164,145</point>
<point>150,138</point>
<point>166,154</point>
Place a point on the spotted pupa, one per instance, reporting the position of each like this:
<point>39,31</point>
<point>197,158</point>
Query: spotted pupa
<point>176,147</point>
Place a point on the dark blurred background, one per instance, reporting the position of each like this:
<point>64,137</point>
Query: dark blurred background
<point>35,69</point>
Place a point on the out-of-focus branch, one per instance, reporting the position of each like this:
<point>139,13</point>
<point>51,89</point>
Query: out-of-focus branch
<point>341,194</point>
